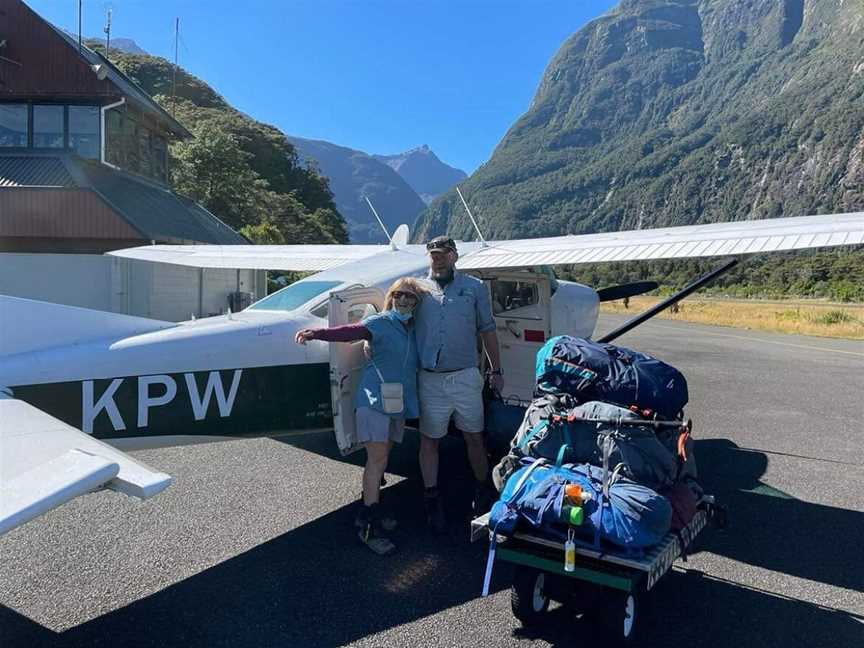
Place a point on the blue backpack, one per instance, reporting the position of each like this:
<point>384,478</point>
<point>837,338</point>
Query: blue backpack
<point>591,371</point>
<point>629,515</point>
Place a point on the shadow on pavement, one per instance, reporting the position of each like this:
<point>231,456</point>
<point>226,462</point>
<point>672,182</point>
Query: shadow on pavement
<point>314,586</point>
<point>772,530</point>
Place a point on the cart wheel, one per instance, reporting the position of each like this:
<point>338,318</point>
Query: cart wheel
<point>620,617</point>
<point>528,597</point>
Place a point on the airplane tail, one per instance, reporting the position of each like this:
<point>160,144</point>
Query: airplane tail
<point>30,325</point>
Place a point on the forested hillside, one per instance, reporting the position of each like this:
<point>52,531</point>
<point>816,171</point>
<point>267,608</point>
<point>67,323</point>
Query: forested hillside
<point>671,112</point>
<point>247,173</point>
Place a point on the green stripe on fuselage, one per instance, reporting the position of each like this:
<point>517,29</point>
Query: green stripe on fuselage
<point>267,399</point>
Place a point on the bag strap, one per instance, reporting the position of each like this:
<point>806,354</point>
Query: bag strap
<point>404,361</point>
<point>517,490</point>
<point>560,458</point>
<point>539,425</point>
<point>375,366</point>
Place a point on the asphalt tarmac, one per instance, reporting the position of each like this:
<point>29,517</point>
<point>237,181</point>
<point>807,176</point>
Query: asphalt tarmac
<point>253,546</point>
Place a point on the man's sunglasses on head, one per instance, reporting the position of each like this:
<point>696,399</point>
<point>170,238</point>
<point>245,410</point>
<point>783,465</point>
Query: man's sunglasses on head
<point>441,245</point>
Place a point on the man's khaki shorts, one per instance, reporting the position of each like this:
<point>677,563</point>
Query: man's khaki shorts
<point>458,394</point>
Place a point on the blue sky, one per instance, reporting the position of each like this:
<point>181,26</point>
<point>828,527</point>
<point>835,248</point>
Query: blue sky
<point>381,76</point>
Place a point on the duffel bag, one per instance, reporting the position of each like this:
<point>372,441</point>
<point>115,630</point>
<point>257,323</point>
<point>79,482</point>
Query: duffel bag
<point>591,370</point>
<point>629,515</point>
<point>644,456</point>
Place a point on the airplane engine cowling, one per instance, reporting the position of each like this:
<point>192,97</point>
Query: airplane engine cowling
<point>574,309</point>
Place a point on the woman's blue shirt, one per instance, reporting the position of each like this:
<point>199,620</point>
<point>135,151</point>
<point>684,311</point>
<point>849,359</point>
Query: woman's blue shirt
<point>394,352</point>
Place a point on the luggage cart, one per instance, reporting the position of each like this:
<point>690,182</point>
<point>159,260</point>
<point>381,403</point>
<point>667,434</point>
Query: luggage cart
<point>613,584</point>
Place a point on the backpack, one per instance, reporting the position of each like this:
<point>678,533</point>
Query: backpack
<point>591,370</point>
<point>633,516</point>
<point>647,456</point>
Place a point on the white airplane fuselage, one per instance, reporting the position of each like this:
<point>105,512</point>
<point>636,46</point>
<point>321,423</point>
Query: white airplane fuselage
<point>226,376</point>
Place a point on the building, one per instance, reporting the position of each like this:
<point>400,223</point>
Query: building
<point>83,170</point>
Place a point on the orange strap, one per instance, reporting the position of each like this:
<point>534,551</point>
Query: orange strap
<point>682,444</point>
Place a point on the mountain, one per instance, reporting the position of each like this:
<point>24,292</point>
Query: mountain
<point>673,112</point>
<point>353,175</point>
<point>125,45</point>
<point>424,171</point>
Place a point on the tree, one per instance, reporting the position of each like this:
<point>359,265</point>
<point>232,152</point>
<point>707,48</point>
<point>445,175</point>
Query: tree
<point>213,170</point>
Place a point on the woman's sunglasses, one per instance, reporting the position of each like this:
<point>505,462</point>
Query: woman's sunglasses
<point>404,295</point>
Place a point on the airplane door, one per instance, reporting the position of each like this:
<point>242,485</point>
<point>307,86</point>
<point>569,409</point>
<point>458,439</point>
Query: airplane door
<point>347,360</point>
<point>521,307</point>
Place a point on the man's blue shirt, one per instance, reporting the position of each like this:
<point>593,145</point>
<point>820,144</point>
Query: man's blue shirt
<point>448,321</point>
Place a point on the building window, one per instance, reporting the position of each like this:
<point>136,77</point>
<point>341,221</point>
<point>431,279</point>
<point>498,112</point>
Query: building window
<point>48,129</point>
<point>13,125</point>
<point>134,147</point>
<point>84,131</point>
<point>160,157</point>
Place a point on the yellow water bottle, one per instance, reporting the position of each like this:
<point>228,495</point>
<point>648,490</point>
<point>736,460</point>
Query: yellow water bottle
<point>570,553</point>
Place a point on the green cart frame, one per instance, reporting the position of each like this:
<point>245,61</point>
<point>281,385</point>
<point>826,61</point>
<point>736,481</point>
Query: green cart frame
<point>613,584</point>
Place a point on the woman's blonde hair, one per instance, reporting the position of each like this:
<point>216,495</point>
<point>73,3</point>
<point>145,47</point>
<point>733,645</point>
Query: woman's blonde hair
<point>405,284</point>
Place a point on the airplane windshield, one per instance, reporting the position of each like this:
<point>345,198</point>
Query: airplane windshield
<point>293,296</point>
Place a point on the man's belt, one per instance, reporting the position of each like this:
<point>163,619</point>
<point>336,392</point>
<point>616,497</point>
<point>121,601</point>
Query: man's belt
<point>443,371</point>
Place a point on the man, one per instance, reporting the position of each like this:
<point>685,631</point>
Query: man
<point>449,318</point>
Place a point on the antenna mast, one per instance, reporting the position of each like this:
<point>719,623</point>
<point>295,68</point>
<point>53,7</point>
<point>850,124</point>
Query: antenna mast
<point>107,31</point>
<point>176,57</point>
<point>381,223</point>
<point>80,9</point>
<point>473,222</point>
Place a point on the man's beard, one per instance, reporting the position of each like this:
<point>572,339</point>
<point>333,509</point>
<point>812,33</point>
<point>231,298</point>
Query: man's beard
<point>442,276</point>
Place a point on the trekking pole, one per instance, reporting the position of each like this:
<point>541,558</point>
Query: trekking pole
<point>685,426</point>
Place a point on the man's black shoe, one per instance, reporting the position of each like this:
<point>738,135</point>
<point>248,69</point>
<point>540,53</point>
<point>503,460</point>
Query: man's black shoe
<point>435,517</point>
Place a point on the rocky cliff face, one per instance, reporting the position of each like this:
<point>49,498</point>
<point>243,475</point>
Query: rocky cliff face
<point>424,171</point>
<point>352,175</point>
<point>667,112</point>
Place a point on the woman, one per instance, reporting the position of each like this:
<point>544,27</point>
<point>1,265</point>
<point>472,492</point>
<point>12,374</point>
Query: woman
<point>394,360</point>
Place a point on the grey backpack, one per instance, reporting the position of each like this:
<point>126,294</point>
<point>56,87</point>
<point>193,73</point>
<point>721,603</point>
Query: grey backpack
<point>552,431</point>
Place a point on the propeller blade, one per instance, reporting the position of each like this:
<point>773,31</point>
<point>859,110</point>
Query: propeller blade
<point>666,303</point>
<point>626,290</point>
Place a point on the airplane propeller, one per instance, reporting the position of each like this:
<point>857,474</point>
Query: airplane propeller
<point>626,290</point>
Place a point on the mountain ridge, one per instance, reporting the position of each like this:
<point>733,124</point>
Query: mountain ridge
<point>353,175</point>
<point>424,171</point>
<point>670,112</point>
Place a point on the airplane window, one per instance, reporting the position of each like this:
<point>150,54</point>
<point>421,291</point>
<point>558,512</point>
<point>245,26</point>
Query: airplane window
<point>293,296</point>
<point>359,312</point>
<point>510,295</point>
<point>322,311</point>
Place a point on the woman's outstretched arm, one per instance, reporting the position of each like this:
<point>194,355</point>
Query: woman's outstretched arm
<point>346,333</point>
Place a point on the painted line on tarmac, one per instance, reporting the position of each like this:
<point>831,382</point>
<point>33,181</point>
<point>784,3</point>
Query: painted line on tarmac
<point>758,339</point>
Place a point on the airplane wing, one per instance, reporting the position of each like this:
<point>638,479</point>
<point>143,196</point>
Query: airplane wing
<point>297,258</point>
<point>45,463</point>
<point>715,239</point>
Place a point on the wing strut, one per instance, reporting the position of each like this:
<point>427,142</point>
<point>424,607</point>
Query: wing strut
<point>473,222</point>
<point>666,303</point>
<point>381,223</point>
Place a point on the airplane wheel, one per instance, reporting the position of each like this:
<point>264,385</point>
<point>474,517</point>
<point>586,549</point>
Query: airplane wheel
<point>619,617</point>
<point>528,598</point>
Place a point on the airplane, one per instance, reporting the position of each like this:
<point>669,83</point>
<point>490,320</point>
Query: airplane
<point>78,387</point>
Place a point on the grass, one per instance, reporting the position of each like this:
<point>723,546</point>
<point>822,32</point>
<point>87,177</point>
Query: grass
<point>821,319</point>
